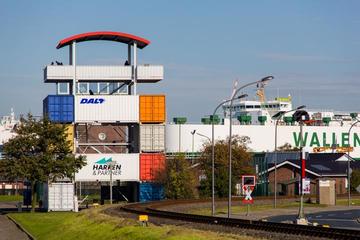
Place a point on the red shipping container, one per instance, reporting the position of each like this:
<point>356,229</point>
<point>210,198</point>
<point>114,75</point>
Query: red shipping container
<point>150,165</point>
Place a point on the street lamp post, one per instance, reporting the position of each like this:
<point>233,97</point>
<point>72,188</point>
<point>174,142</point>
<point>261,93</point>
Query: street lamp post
<point>111,166</point>
<point>179,137</point>
<point>301,116</point>
<point>263,80</point>
<point>348,165</point>
<point>278,117</point>
<point>204,136</point>
<point>192,146</point>
<point>213,152</point>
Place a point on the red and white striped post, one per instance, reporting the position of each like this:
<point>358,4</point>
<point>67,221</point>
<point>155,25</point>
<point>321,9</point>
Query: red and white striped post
<point>301,217</point>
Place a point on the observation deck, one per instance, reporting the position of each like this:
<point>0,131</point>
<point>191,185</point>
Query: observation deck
<point>65,73</point>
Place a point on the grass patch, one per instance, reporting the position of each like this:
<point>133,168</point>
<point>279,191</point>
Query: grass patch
<point>253,208</point>
<point>354,202</point>
<point>11,198</point>
<point>93,224</point>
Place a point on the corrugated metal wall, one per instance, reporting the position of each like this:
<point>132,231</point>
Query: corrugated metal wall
<point>59,108</point>
<point>59,197</point>
<point>151,165</point>
<point>102,108</point>
<point>152,138</point>
<point>69,129</point>
<point>150,192</point>
<point>152,109</point>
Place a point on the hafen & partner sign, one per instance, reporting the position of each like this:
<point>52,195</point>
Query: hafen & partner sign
<point>103,167</point>
<point>125,167</point>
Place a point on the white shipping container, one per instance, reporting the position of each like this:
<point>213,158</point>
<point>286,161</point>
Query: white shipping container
<point>58,197</point>
<point>150,72</point>
<point>87,73</point>
<point>97,167</point>
<point>103,72</point>
<point>152,138</point>
<point>105,108</point>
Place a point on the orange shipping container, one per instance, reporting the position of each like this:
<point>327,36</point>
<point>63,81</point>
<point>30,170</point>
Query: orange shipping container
<point>152,109</point>
<point>151,164</point>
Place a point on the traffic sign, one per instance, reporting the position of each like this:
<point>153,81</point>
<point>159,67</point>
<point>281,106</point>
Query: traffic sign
<point>248,180</point>
<point>248,190</point>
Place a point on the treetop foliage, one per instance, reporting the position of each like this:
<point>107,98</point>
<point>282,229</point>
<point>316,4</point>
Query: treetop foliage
<point>241,165</point>
<point>39,152</point>
<point>178,178</point>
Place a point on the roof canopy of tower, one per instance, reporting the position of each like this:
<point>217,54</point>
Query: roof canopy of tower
<point>109,36</point>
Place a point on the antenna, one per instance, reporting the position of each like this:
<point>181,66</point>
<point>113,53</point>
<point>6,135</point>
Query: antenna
<point>260,92</point>
<point>12,115</point>
<point>234,88</point>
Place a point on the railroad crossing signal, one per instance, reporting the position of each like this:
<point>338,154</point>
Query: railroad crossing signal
<point>248,190</point>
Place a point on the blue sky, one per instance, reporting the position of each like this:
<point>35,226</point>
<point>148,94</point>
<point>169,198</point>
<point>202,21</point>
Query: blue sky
<point>311,47</point>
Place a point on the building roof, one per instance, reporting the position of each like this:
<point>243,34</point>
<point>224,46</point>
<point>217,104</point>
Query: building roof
<point>321,164</point>
<point>327,156</point>
<point>105,35</point>
<point>280,156</point>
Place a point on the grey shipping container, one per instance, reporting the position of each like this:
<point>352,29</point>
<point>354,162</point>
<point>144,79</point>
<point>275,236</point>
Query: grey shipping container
<point>152,137</point>
<point>58,196</point>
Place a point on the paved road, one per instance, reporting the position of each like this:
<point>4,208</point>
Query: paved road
<point>340,219</point>
<point>8,230</point>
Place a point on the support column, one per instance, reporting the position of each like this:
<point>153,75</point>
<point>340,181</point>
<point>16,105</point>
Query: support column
<point>70,54</point>
<point>129,60</point>
<point>73,63</point>
<point>129,53</point>
<point>135,68</point>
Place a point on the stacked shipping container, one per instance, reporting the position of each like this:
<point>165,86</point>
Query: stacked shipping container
<point>69,129</point>
<point>152,146</point>
<point>151,165</point>
<point>151,192</point>
<point>59,108</point>
<point>152,137</point>
<point>152,109</point>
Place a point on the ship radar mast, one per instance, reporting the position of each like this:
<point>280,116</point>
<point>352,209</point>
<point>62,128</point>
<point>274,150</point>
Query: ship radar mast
<point>260,92</point>
<point>12,115</point>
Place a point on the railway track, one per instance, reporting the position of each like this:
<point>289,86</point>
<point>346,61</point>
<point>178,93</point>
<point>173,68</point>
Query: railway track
<point>152,209</point>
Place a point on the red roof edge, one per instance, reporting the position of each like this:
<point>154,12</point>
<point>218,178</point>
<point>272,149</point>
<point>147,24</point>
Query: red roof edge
<point>105,35</point>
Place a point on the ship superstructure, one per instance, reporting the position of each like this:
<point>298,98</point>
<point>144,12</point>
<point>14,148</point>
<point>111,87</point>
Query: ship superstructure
<point>261,112</point>
<point>7,124</point>
<point>326,131</point>
<point>253,112</point>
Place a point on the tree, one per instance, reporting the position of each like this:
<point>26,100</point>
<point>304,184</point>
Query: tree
<point>39,153</point>
<point>287,148</point>
<point>355,180</point>
<point>241,165</point>
<point>178,178</point>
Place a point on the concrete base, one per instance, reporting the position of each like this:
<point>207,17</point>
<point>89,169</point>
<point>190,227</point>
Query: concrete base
<point>302,221</point>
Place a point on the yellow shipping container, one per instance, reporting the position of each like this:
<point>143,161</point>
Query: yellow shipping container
<point>152,109</point>
<point>70,135</point>
<point>69,129</point>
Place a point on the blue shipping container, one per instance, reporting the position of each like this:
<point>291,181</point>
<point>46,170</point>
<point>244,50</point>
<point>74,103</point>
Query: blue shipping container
<point>59,108</point>
<point>151,192</point>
